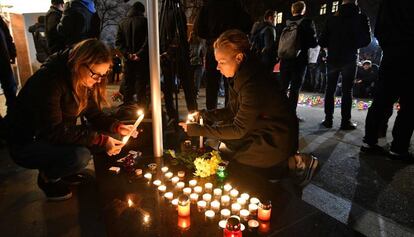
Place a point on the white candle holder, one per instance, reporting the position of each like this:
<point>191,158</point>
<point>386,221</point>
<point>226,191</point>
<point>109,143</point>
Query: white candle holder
<point>244,214</point>
<point>187,191</point>
<point>225,213</point>
<point>192,183</point>
<point>201,205</point>
<point>175,202</point>
<point>168,175</point>
<point>235,208</point>
<point>194,197</point>
<point>234,193</point>
<point>227,187</point>
<point>225,200</point>
<point>215,205</point>
<point>198,189</point>
<point>207,197</point>
<point>241,201</point>
<point>210,214</point>
<point>174,180</point>
<point>253,209</point>
<point>217,193</point>
<point>148,176</point>
<point>254,200</point>
<point>162,188</point>
<point>164,169</point>
<point>169,195</point>
<point>181,174</point>
<point>245,196</point>
<point>157,182</point>
<point>180,185</point>
<point>208,187</point>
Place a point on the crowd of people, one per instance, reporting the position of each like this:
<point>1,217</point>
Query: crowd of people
<point>258,126</point>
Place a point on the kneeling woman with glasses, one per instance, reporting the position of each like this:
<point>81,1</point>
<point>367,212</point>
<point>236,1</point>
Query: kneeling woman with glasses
<point>44,133</point>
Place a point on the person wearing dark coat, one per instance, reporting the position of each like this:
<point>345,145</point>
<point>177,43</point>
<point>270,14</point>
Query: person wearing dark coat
<point>43,129</point>
<point>293,71</point>
<point>132,41</point>
<point>258,129</point>
<point>55,41</point>
<point>39,39</point>
<point>344,33</point>
<point>215,17</point>
<point>7,56</point>
<point>79,21</point>
<point>394,30</point>
<point>263,40</point>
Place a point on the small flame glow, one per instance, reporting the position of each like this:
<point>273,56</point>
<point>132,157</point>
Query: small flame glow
<point>146,218</point>
<point>130,203</point>
<point>140,112</point>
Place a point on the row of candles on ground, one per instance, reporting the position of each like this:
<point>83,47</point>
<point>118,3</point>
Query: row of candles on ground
<point>242,205</point>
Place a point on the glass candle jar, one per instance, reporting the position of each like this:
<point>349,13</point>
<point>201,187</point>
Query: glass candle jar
<point>208,187</point>
<point>225,200</point>
<point>265,210</point>
<point>253,209</point>
<point>198,189</point>
<point>215,205</point>
<point>225,213</point>
<point>187,191</point>
<point>192,183</point>
<point>217,193</point>
<point>194,197</point>
<point>235,208</point>
<point>183,205</point>
<point>207,197</point>
<point>168,175</point>
<point>174,180</point>
<point>233,228</point>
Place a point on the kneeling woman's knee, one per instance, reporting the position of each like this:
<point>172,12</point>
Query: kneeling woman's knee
<point>82,156</point>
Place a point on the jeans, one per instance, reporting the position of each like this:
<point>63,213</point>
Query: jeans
<point>348,72</point>
<point>395,84</point>
<point>54,161</point>
<point>197,72</point>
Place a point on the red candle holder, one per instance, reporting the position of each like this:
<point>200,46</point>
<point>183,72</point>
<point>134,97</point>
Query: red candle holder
<point>233,228</point>
<point>184,222</point>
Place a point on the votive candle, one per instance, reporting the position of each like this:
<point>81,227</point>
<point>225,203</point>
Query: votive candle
<point>234,193</point>
<point>175,202</point>
<point>207,197</point>
<point>208,187</point>
<point>225,200</point>
<point>148,176</point>
<point>235,208</point>
<point>244,214</point>
<point>245,196</point>
<point>164,169</point>
<point>192,183</point>
<point>254,200</point>
<point>168,175</point>
<point>241,201</point>
<point>181,174</point>
<point>215,205</point>
<point>227,187</point>
<point>183,205</point>
<point>217,192</point>
<point>198,189</point>
<point>162,188</point>
<point>157,182</point>
<point>175,180</point>
<point>265,211</point>
<point>225,213</point>
<point>169,195</point>
<point>253,209</point>
<point>209,214</point>
<point>194,197</point>
<point>201,204</point>
<point>187,191</point>
<point>180,185</point>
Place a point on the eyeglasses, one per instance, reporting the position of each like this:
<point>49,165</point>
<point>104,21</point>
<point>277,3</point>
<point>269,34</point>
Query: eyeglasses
<point>96,76</point>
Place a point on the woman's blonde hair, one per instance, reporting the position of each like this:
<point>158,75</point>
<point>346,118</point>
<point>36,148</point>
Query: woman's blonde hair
<point>85,54</point>
<point>233,40</point>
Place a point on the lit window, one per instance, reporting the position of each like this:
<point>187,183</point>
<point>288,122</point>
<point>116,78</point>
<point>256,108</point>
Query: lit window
<point>335,6</point>
<point>322,11</point>
<point>279,17</point>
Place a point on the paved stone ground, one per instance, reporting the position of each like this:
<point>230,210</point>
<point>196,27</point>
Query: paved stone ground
<point>371,194</point>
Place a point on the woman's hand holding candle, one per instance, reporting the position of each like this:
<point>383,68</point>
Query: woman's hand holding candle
<point>134,127</point>
<point>124,130</point>
<point>113,146</point>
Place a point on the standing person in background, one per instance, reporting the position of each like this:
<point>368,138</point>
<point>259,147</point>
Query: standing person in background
<point>293,67</point>
<point>395,33</point>
<point>263,40</point>
<point>132,41</point>
<point>344,33</point>
<point>7,57</point>
<point>39,38</point>
<point>197,51</point>
<point>215,17</point>
<point>79,21</point>
<point>55,41</point>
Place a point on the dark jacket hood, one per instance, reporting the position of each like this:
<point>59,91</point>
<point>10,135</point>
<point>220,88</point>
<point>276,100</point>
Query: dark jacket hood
<point>348,10</point>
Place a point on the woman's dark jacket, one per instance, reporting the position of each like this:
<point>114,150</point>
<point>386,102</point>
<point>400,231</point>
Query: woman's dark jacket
<point>344,33</point>
<point>260,119</point>
<point>46,109</point>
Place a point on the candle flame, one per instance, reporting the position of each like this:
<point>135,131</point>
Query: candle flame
<point>140,112</point>
<point>130,203</point>
<point>190,117</point>
<point>146,218</point>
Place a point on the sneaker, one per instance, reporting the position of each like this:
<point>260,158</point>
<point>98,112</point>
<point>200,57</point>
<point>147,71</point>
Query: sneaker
<point>373,149</point>
<point>54,191</point>
<point>74,179</point>
<point>348,125</point>
<point>302,167</point>
<point>404,157</point>
<point>327,123</point>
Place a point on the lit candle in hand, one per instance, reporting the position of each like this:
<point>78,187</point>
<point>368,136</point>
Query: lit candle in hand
<point>134,128</point>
